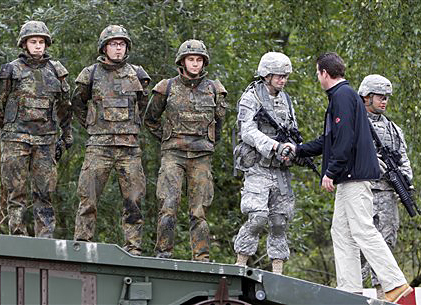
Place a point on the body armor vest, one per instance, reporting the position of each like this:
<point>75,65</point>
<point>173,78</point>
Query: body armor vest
<point>113,108</point>
<point>190,111</point>
<point>30,107</point>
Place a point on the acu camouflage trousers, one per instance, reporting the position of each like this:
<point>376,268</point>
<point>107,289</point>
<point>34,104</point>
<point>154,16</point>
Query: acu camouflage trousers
<point>96,168</point>
<point>197,172</point>
<point>22,163</point>
<point>266,198</point>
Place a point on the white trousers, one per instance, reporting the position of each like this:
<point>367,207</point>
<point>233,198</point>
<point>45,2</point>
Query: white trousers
<point>353,229</point>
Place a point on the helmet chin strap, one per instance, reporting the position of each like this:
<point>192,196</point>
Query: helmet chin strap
<point>272,89</point>
<point>370,103</point>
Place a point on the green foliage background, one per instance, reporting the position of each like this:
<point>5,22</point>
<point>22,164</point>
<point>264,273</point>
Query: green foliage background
<point>372,36</point>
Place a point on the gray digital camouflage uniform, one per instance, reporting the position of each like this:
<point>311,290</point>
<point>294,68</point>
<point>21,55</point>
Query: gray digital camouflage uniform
<point>108,102</point>
<point>266,197</point>
<point>34,99</point>
<point>385,201</point>
<point>188,123</point>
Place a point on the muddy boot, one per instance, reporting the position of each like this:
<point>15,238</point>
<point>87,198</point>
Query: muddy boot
<point>242,260</point>
<point>380,292</point>
<point>277,266</point>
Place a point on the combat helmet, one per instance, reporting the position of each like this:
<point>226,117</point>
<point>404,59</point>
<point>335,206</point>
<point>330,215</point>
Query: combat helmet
<point>376,84</point>
<point>274,63</point>
<point>34,28</point>
<point>192,47</point>
<point>113,32</point>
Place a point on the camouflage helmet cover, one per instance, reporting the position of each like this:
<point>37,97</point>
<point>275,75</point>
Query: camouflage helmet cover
<point>274,63</point>
<point>192,47</point>
<point>376,84</point>
<point>113,32</point>
<point>34,28</point>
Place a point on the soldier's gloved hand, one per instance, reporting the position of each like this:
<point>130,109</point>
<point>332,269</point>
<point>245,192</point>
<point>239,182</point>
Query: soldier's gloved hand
<point>65,142</point>
<point>60,146</point>
<point>284,152</point>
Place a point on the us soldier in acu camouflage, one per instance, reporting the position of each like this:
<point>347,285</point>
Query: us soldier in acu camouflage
<point>35,101</point>
<point>375,91</point>
<point>192,109</point>
<point>267,195</point>
<point>108,101</point>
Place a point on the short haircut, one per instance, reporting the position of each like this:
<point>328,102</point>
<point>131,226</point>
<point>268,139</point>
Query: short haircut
<point>332,63</point>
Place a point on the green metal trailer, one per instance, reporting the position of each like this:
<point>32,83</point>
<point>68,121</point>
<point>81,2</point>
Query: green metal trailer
<point>52,271</point>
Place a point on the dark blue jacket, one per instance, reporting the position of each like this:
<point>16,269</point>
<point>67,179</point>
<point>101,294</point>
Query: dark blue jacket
<point>346,144</point>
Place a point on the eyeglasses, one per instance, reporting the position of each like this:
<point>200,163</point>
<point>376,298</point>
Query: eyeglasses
<point>383,97</point>
<point>117,44</point>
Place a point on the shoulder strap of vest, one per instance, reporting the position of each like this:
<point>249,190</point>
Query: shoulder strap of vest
<point>170,81</point>
<point>289,103</point>
<point>91,79</point>
<point>396,131</point>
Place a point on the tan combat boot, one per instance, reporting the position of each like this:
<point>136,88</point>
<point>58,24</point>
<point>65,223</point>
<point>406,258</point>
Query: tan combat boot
<point>380,292</point>
<point>242,260</point>
<point>277,266</point>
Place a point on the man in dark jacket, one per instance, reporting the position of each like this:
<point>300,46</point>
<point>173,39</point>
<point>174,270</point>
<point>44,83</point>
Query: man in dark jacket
<point>350,162</point>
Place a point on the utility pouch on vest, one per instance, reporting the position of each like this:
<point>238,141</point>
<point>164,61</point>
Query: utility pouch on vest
<point>245,156</point>
<point>35,109</point>
<point>116,109</point>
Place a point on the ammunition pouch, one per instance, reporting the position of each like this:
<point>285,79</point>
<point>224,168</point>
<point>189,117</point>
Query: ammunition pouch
<point>245,156</point>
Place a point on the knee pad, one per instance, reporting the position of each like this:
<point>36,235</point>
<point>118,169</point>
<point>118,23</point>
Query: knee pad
<point>277,223</point>
<point>256,224</point>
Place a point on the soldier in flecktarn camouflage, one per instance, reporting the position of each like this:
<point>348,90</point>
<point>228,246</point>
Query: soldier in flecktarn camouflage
<point>35,102</point>
<point>267,197</point>
<point>108,101</point>
<point>375,91</point>
<point>186,115</point>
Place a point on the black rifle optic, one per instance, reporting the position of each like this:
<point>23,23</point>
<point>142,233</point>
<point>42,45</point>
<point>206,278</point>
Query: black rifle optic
<point>284,135</point>
<point>394,176</point>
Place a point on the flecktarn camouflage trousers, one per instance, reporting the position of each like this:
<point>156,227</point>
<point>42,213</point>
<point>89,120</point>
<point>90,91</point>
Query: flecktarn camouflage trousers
<point>21,163</point>
<point>96,168</point>
<point>197,172</point>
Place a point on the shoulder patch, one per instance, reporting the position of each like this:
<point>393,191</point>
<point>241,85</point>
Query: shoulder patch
<point>84,76</point>
<point>220,89</point>
<point>60,69</point>
<point>161,87</point>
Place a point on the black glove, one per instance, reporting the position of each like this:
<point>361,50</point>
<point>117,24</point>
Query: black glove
<point>61,146</point>
<point>283,151</point>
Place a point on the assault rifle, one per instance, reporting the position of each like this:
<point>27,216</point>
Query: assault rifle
<point>399,182</point>
<point>285,135</point>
